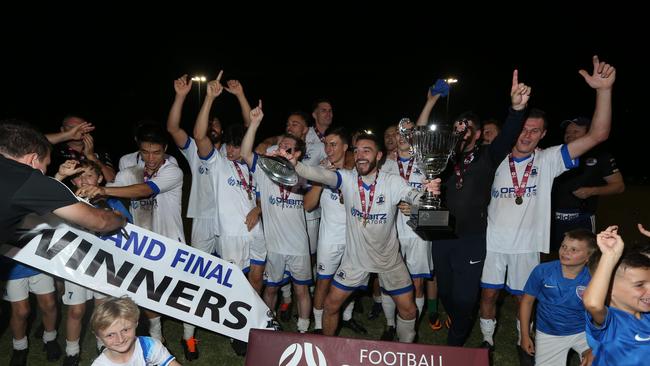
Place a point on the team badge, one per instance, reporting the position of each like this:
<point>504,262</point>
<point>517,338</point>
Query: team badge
<point>580,290</point>
<point>381,199</point>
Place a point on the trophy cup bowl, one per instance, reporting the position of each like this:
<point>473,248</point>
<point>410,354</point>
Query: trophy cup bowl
<point>279,170</point>
<point>431,147</point>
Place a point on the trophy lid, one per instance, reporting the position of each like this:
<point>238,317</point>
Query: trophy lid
<point>278,169</point>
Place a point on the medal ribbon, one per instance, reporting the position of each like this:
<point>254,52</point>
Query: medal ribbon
<point>284,194</point>
<point>520,189</point>
<point>362,196</point>
<point>248,187</point>
<point>459,167</point>
<point>406,175</point>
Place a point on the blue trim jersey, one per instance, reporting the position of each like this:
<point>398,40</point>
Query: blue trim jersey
<point>148,352</point>
<point>525,228</point>
<point>559,299</point>
<point>621,340</point>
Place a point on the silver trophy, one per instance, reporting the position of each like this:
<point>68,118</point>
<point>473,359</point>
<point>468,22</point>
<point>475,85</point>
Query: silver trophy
<point>431,146</point>
<point>279,170</point>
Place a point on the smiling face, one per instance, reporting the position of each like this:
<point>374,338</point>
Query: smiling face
<point>366,156</point>
<point>153,155</point>
<point>532,132</point>
<point>88,177</point>
<point>631,290</point>
<point>335,148</point>
<point>297,126</point>
<point>390,138</point>
<point>119,338</point>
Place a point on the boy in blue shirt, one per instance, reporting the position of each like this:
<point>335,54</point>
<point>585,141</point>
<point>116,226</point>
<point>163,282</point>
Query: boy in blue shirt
<point>619,333</point>
<point>558,287</point>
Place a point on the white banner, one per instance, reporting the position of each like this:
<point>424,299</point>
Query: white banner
<point>158,273</point>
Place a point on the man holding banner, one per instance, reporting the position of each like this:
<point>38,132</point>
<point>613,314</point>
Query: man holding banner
<point>24,156</point>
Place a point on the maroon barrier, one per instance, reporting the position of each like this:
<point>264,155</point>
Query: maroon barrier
<point>293,349</point>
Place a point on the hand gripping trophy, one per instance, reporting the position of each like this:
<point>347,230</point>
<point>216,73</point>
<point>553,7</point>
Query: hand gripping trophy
<point>431,147</point>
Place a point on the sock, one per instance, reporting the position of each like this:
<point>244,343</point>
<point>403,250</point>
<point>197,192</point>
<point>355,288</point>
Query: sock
<point>432,305</point>
<point>303,325</point>
<point>286,293</point>
<point>347,313</point>
<point>419,302</point>
<point>71,347</point>
<point>377,299</point>
<point>20,344</point>
<point>487,328</point>
<point>188,331</point>
<point>49,336</point>
<point>389,309</point>
<point>318,318</point>
<point>155,328</point>
<point>405,330</point>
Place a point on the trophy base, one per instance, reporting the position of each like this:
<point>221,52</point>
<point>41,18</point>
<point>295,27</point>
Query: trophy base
<point>432,224</point>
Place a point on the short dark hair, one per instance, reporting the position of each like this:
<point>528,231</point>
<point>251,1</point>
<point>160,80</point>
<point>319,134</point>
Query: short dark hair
<point>492,121</point>
<point>338,131</point>
<point>319,101</point>
<point>538,113</point>
<point>234,135</point>
<point>371,137</point>
<point>19,138</point>
<point>634,258</point>
<point>582,234</point>
<point>305,117</point>
<point>150,132</point>
<point>470,116</point>
<point>300,144</point>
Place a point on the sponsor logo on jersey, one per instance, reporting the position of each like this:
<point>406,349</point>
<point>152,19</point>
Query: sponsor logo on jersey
<point>375,218</point>
<point>509,192</point>
<point>288,203</point>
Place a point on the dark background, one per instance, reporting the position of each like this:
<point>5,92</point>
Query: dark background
<point>375,72</point>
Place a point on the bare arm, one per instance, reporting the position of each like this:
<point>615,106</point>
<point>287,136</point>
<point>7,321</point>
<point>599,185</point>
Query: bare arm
<point>203,142</point>
<point>433,94</point>
<point>234,87</point>
<point>268,142</point>
<point>611,246</point>
<point>92,218</point>
<point>89,152</point>
<point>312,198</point>
<point>602,79</point>
<point>75,133</point>
<point>525,310</point>
<point>134,191</point>
<point>249,138</point>
<point>614,185</point>
<point>182,86</point>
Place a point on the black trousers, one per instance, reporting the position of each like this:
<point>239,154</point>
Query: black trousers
<point>458,264</point>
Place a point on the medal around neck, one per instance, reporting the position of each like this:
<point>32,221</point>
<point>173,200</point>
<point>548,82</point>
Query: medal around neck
<point>431,146</point>
<point>279,170</point>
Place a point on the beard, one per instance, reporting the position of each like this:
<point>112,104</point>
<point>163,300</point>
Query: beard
<point>365,170</point>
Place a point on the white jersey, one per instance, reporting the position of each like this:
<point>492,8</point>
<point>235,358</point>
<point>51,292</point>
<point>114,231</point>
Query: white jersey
<point>203,197</point>
<point>415,178</point>
<point>390,166</point>
<point>148,352</point>
<point>525,228</point>
<point>373,248</point>
<point>332,220</point>
<point>285,229</point>
<point>314,154</point>
<point>163,208</point>
<point>133,159</point>
<point>233,198</point>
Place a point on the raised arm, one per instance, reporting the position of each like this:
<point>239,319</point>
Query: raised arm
<point>602,79</point>
<point>235,88</point>
<point>182,86</point>
<point>92,218</point>
<point>440,88</point>
<point>256,116</point>
<point>611,246</point>
<point>89,152</point>
<point>134,191</point>
<point>203,142</point>
<point>519,97</point>
<point>75,133</point>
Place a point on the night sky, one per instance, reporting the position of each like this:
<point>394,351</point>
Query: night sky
<point>374,75</point>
